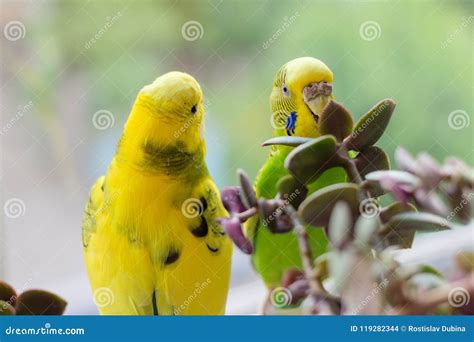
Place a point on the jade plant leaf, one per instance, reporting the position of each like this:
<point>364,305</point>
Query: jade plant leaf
<point>364,229</point>
<point>386,213</point>
<point>292,191</point>
<point>371,126</point>
<point>400,228</point>
<point>419,222</point>
<point>397,176</point>
<point>249,198</point>
<point>287,141</point>
<point>274,216</point>
<point>316,209</point>
<point>39,302</point>
<point>233,228</point>
<point>308,161</point>
<point>340,225</point>
<point>7,293</point>
<point>371,159</point>
<point>6,309</point>
<point>373,187</point>
<point>336,120</point>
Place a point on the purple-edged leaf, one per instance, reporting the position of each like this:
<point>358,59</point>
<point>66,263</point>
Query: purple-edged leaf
<point>233,228</point>
<point>308,161</point>
<point>292,191</point>
<point>371,126</point>
<point>371,159</point>
<point>386,213</point>
<point>274,216</point>
<point>231,199</point>
<point>399,229</point>
<point>405,160</point>
<point>336,120</point>
<point>316,209</point>
<point>249,198</point>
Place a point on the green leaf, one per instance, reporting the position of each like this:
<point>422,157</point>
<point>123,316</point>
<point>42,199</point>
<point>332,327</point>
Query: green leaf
<point>249,198</point>
<point>370,160</point>
<point>316,209</point>
<point>7,293</point>
<point>336,120</point>
<point>287,141</point>
<point>371,126</point>
<point>6,309</point>
<point>292,191</point>
<point>431,270</point>
<point>308,161</point>
<point>39,302</point>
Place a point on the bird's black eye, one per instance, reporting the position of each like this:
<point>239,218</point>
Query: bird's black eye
<point>194,109</point>
<point>285,90</point>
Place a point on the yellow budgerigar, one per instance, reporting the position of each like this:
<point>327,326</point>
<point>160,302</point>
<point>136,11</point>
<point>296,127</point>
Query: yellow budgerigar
<point>152,245</point>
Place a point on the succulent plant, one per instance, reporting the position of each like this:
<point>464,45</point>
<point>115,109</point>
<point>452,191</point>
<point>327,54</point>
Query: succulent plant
<point>363,234</point>
<point>30,302</point>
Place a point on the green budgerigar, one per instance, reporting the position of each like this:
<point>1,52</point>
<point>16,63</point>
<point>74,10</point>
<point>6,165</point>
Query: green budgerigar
<point>301,89</point>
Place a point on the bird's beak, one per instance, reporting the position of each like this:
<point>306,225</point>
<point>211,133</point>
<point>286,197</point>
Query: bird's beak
<point>315,96</point>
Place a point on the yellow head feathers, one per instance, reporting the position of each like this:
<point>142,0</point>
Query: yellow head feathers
<point>167,117</point>
<point>301,89</point>
<point>174,95</point>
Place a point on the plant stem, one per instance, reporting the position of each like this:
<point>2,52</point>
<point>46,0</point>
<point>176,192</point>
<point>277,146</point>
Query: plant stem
<point>315,288</point>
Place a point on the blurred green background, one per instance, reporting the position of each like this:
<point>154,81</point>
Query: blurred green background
<point>75,58</point>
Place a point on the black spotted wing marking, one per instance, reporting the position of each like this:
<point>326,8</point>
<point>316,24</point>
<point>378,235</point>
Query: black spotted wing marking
<point>171,256</point>
<point>208,229</point>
